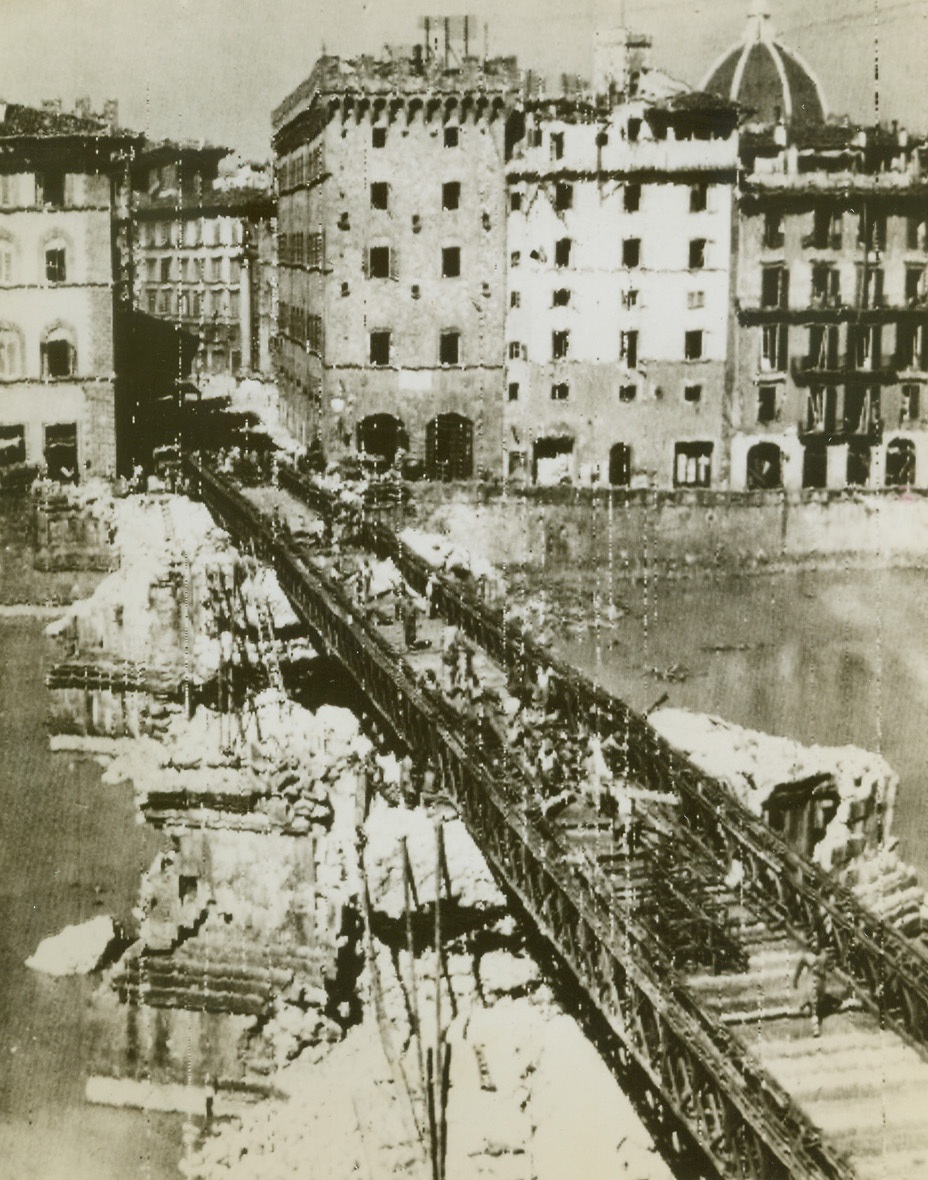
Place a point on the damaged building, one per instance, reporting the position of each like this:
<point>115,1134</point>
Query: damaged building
<point>205,254</point>
<point>830,353</point>
<point>63,201</point>
<point>619,252</point>
<point>392,247</point>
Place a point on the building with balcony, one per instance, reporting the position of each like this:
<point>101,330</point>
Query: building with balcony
<point>204,255</point>
<point>619,277</point>
<point>831,358</point>
<point>63,200</point>
<point>392,248</point>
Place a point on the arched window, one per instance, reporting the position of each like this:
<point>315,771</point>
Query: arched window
<point>381,436</point>
<point>765,466</point>
<point>59,355</point>
<point>11,353</point>
<point>900,463</point>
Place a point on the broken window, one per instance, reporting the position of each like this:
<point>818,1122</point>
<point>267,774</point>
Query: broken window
<point>692,393</point>
<point>693,345</point>
<point>563,196</point>
<point>380,194</point>
<point>562,252</point>
<point>914,284</point>
<point>628,393</point>
<point>56,270</point>
<point>449,347</point>
<point>699,197</point>
<point>61,452</point>
<point>561,297</point>
<point>560,391</point>
<point>871,229</point>
<point>628,349</point>
<point>822,410</point>
<point>451,137</point>
<point>869,286</point>
<point>774,286</point>
<point>858,463</point>
<point>692,465</point>
<point>378,262</point>
<point>631,252</point>
<point>827,228</point>
<point>58,358</point>
<point>909,409</point>
<point>773,229</point>
<point>697,253</point>
<point>450,262</point>
<point>865,346</point>
<point>900,463</point>
<point>380,347</point>
<point>823,346</point>
<point>632,198</point>
<point>12,445</point>
<point>560,343</point>
<point>378,137</point>
<point>451,194</point>
<point>826,285</point>
<point>764,467</point>
<point>53,187</point>
<point>767,403</point>
<point>915,236</point>
<point>774,344</point>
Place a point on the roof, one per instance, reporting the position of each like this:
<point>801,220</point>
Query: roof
<point>766,77</point>
<point>153,155</point>
<point>18,120</point>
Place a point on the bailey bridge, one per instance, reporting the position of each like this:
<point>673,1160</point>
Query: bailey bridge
<point>679,974</point>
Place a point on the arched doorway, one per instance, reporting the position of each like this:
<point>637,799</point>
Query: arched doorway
<point>382,435</point>
<point>620,465</point>
<point>765,467</point>
<point>449,447</point>
<point>900,463</point>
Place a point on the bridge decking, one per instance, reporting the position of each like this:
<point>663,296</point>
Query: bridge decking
<point>725,1052</point>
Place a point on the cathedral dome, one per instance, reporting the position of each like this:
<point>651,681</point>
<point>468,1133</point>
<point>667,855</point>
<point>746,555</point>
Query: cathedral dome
<point>763,75</point>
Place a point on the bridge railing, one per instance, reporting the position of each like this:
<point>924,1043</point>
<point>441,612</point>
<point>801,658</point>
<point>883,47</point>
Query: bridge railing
<point>740,1118</point>
<point>890,971</point>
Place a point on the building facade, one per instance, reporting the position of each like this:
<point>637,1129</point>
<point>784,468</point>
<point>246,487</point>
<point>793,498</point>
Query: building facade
<point>63,181</point>
<point>204,255</point>
<point>392,248</point>
<point>619,250</point>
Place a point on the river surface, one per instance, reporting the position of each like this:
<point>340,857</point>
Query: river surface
<point>70,848</point>
<point>828,657</point>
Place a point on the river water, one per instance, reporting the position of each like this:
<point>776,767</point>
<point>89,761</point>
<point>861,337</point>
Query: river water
<point>832,657</point>
<point>70,848</point>
<point>829,657</point>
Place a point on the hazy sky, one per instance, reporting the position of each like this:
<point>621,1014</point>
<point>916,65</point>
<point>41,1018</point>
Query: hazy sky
<point>214,69</point>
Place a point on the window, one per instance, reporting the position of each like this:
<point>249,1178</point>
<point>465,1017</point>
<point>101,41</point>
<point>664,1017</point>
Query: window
<point>914,284</point>
<point>562,252</point>
<point>12,445</point>
<point>631,198</point>
<point>7,191</point>
<point>55,264</point>
<point>774,340</point>
<point>451,194</point>
<point>9,354</point>
<point>634,130</point>
<point>563,196</point>
<point>823,346</point>
<point>234,304</point>
<point>697,253</point>
<point>560,392</point>
<point>152,302</point>
<point>871,230</point>
<point>513,391</point>
<point>450,262</point>
<point>826,284</point>
<point>766,403</point>
<point>452,137</point>
<point>630,298</point>
<point>869,286</point>
<point>53,187</point>
<point>692,465</point>
<point>378,266</point>
<point>6,261</point>
<point>182,304</point>
<point>692,345</point>
<point>773,230</point>
<point>560,343</point>
<point>561,297</point>
<point>774,286</point>
<point>515,298</point>
<point>216,270</point>
<point>915,232</point>
<point>61,451</point>
<point>628,349</point>
<point>631,252</point>
<point>910,408</point>
<point>826,228</point>
<point>58,357</point>
<point>515,258</point>
<point>692,393</point>
<point>628,393</point>
<point>515,202</point>
<point>165,270</point>
<point>699,197</point>
<point>378,137</point>
<point>380,348</point>
<point>380,194</point>
<point>449,347</point>
<point>695,299</point>
<point>515,350</point>
<point>557,145</point>
<point>164,301</point>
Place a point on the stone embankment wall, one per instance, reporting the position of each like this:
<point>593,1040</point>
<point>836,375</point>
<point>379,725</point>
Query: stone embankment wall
<point>682,531</point>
